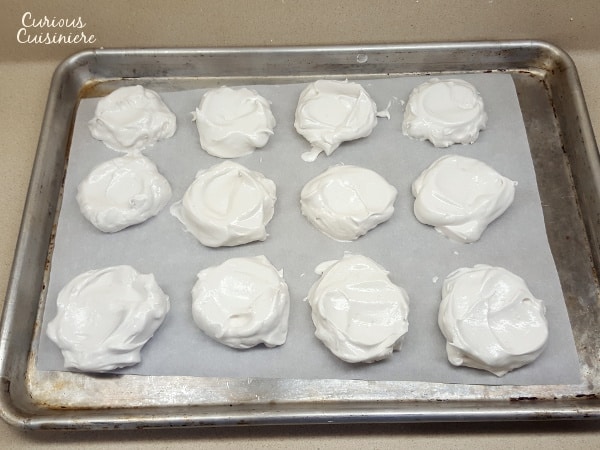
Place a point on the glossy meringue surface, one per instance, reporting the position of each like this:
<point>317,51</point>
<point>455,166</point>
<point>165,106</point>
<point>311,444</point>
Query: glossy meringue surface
<point>242,303</point>
<point>358,313</point>
<point>132,118</point>
<point>346,201</point>
<point>122,192</point>
<point>445,112</point>
<point>330,112</point>
<point>233,122</point>
<point>461,196</point>
<point>227,205</point>
<point>491,320</point>
<point>105,317</point>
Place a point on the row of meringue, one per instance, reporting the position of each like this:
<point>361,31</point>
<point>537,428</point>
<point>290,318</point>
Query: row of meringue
<point>490,319</point>
<point>234,122</point>
<point>104,317</point>
<point>229,205</point>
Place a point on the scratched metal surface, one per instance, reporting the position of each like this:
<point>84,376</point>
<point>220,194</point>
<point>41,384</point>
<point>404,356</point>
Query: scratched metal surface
<point>567,167</point>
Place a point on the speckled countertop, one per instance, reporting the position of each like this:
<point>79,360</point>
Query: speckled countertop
<point>26,70</point>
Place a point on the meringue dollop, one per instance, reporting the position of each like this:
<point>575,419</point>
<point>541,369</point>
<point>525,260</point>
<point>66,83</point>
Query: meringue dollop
<point>105,317</point>
<point>242,303</point>
<point>491,320</point>
<point>330,112</point>
<point>233,122</point>
<point>132,118</point>
<point>227,205</point>
<point>461,196</point>
<point>345,201</point>
<point>445,112</point>
<point>358,313</point>
<point>122,192</point>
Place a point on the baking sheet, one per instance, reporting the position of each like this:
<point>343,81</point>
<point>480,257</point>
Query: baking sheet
<point>416,257</point>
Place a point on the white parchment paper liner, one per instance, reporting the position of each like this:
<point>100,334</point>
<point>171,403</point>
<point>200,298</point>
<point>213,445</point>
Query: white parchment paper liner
<point>417,257</point>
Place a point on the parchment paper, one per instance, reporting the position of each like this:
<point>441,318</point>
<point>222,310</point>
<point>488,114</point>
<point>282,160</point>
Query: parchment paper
<point>417,257</point>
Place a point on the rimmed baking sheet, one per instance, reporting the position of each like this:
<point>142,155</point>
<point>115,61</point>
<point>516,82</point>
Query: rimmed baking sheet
<point>567,170</point>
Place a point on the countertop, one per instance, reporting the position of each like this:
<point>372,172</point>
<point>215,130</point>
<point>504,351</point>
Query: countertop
<point>25,73</point>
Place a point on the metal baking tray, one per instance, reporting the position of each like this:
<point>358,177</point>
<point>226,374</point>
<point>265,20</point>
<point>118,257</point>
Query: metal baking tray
<point>567,168</point>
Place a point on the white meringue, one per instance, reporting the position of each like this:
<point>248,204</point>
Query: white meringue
<point>132,118</point>
<point>122,192</point>
<point>358,313</point>
<point>445,112</point>
<point>105,317</point>
<point>242,303</point>
<point>227,205</point>
<point>233,122</point>
<point>330,112</point>
<point>345,202</point>
<point>461,196</point>
<point>491,320</point>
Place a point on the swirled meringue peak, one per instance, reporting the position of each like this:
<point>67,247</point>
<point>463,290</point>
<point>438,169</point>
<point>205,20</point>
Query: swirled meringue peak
<point>491,320</point>
<point>242,303</point>
<point>227,205</point>
<point>233,122</point>
<point>445,112</point>
<point>122,192</point>
<point>461,196</point>
<point>358,313</point>
<point>330,112</point>
<point>105,317</point>
<point>131,119</point>
<point>345,201</point>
